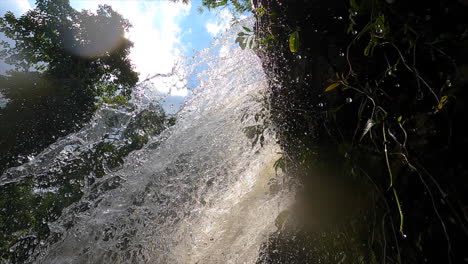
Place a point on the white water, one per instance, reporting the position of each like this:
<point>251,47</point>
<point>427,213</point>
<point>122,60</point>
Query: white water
<point>198,193</point>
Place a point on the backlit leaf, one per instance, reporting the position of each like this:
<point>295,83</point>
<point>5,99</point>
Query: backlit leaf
<point>294,41</point>
<point>442,102</point>
<point>332,86</point>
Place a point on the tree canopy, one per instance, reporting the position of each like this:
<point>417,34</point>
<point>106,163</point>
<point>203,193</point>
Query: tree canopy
<point>65,61</point>
<point>60,41</point>
<point>240,6</point>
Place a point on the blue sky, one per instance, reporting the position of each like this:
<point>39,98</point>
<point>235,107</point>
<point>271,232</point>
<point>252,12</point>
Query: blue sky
<point>163,32</point>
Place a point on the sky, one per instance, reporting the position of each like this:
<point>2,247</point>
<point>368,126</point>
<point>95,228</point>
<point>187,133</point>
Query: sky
<point>163,32</point>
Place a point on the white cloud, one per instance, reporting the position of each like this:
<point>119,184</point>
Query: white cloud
<point>156,34</point>
<point>223,22</point>
<point>23,5</point>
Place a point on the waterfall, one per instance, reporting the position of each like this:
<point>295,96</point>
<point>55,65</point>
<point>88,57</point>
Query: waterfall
<point>199,192</point>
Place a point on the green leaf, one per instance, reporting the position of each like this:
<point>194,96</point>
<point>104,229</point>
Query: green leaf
<point>261,11</point>
<point>332,86</point>
<point>442,102</point>
<point>247,29</point>
<point>243,44</point>
<point>294,41</point>
<point>251,43</point>
<point>240,40</point>
<point>444,99</point>
<point>367,50</point>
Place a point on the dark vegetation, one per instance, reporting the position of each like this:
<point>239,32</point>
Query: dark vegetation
<point>368,101</point>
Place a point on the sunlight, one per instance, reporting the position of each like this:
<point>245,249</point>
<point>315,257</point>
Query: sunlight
<point>156,34</point>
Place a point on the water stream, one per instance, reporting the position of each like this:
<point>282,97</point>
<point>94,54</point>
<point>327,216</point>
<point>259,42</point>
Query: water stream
<point>199,192</point>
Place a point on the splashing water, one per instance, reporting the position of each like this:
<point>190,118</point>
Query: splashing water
<point>197,193</point>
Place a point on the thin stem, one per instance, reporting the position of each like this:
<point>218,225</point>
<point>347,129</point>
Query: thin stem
<point>386,156</point>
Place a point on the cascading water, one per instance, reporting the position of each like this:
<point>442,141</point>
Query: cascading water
<point>197,193</point>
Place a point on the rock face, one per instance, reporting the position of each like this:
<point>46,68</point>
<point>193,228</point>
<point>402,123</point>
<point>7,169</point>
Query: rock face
<point>297,80</point>
<point>380,154</point>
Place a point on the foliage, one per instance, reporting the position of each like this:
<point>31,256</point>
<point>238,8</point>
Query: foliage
<point>39,111</point>
<point>60,41</point>
<point>245,38</point>
<point>239,6</point>
<point>294,41</point>
<point>66,63</point>
<point>373,103</point>
<point>260,128</point>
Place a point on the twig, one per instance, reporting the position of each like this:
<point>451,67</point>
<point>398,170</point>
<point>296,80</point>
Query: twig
<point>386,156</point>
<point>414,70</point>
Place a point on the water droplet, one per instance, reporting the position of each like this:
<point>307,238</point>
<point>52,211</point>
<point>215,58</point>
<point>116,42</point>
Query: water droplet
<point>349,100</point>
